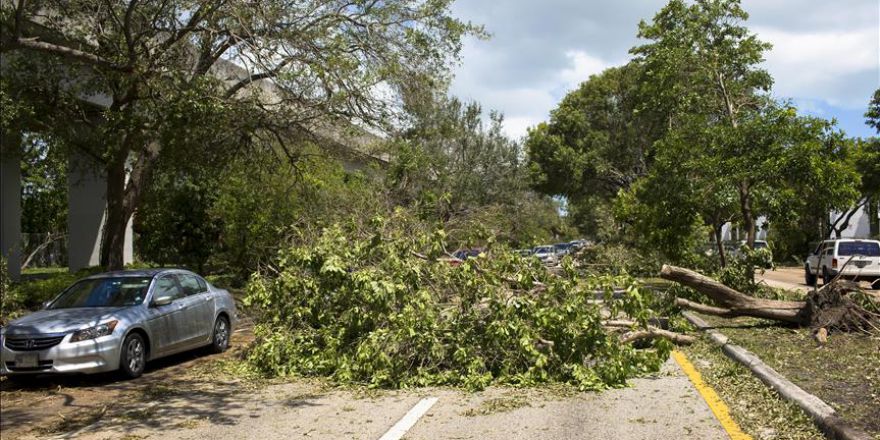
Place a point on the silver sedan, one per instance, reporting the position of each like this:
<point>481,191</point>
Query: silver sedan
<point>119,321</point>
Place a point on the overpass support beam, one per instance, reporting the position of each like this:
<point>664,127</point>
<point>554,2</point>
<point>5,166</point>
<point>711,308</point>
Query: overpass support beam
<point>10,203</point>
<point>86,212</point>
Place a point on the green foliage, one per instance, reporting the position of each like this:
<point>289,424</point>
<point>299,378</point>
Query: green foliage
<point>451,167</point>
<point>872,116</point>
<point>620,259</point>
<point>739,273</point>
<point>237,218</point>
<point>44,185</point>
<point>596,143</point>
<point>29,295</point>
<point>4,289</point>
<point>701,59</point>
<point>358,305</point>
<point>170,73</point>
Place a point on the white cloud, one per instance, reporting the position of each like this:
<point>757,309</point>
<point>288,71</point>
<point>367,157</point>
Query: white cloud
<point>826,54</point>
<point>820,65</point>
<point>525,106</point>
<point>583,66</point>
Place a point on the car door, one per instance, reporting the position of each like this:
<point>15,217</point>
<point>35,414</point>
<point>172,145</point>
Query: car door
<point>814,260</point>
<point>200,306</point>
<point>166,322</point>
<point>827,256</point>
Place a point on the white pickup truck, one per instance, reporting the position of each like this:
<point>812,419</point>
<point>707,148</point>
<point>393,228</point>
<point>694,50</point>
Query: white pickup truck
<point>853,259</point>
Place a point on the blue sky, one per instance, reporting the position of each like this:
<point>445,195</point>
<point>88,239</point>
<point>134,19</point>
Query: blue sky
<point>825,56</point>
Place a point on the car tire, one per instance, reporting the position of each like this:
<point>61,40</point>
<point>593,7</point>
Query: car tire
<point>133,358</point>
<point>809,278</point>
<point>220,338</point>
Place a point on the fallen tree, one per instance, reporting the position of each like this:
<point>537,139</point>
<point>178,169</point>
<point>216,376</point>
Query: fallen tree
<point>385,306</point>
<point>839,305</point>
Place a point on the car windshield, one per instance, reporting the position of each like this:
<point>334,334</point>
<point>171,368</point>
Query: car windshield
<point>104,292</point>
<point>866,248</point>
<point>544,250</point>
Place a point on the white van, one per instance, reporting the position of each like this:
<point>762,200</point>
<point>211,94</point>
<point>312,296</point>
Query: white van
<point>853,259</point>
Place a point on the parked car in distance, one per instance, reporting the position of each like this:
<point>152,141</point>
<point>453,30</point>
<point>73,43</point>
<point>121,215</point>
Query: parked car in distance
<point>562,249</point>
<point>853,259</point>
<point>547,254</point>
<point>524,252</point>
<point>119,321</point>
<point>464,254</point>
<point>578,244</point>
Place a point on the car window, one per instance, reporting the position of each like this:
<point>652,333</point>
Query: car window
<point>190,284</point>
<point>829,251</point>
<point>866,248</point>
<point>104,292</point>
<point>202,284</point>
<point>167,286</point>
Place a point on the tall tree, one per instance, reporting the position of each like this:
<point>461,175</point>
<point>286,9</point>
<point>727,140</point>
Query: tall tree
<point>869,166</point>
<point>597,142</point>
<point>212,76</point>
<point>702,60</point>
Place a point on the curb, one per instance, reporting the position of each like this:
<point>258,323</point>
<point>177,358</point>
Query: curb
<point>823,415</point>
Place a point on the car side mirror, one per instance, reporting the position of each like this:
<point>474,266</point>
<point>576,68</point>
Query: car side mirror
<point>162,301</point>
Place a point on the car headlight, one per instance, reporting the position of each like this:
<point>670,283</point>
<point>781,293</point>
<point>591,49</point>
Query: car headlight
<point>94,332</point>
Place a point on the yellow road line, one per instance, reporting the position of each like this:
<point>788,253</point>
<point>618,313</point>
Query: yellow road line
<point>718,407</point>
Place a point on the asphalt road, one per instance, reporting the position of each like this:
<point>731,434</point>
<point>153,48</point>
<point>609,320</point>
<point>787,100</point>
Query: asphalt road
<point>663,407</point>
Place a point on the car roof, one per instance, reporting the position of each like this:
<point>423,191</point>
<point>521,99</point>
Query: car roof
<point>151,272</point>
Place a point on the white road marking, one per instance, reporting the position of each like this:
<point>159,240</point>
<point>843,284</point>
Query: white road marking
<point>399,430</point>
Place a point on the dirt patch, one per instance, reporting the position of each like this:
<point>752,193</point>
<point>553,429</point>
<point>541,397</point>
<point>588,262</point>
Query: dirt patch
<point>845,372</point>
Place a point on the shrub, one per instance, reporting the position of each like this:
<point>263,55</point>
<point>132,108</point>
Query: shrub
<point>379,308</point>
<point>19,298</point>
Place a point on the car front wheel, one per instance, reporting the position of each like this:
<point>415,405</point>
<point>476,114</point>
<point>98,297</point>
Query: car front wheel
<point>134,356</point>
<point>220,342</point>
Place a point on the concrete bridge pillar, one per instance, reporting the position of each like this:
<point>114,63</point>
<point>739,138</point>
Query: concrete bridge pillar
<point>86,211</point>
<point>10,203</point>
<point>86,202</point>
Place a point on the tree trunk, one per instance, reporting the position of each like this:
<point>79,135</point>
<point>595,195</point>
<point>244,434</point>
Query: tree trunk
<point>123,200</point>
<point>721,253</point>
<point>745,202</point>
<point>733,302</point>
<point>831,307</point>
<point>113,237</point>
<point>874,221</point>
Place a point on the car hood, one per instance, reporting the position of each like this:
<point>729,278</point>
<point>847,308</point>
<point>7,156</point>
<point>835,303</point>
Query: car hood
<point>60,320</point>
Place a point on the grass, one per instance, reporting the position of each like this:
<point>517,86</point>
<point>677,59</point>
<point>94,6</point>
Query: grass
<point>758,410</point>
<point>44,270</point>
<point>845,372</point>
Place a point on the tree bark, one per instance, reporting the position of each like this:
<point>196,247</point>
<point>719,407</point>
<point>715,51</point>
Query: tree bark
<point>123,199</point>
<point>874,221</point>
<point>834,306</point>
<point>734,303</point>
<point>113,236</point>
<point>721,253</point>
<point>745,201</point>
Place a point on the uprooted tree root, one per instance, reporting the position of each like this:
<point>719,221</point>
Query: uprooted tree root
<point>837,306</point>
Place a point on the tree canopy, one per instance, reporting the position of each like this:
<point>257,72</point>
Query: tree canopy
<point>212,77</point>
